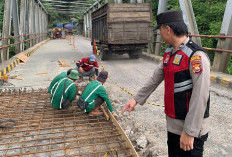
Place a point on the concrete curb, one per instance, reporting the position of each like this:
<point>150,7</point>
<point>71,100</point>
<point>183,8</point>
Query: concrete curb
<point>14,61</point>
<point>214,78</point>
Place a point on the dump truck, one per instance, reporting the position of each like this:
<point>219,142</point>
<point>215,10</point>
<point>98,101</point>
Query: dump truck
<point>122,28</point>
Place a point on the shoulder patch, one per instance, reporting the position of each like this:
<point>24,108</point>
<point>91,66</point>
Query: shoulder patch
<point>196,64</point>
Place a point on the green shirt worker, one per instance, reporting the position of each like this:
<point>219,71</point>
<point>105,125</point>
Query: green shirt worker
<point>57,78</point>
<point>59,94</point>
<point>95,95</point>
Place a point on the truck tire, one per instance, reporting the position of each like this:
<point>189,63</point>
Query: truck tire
<point>104,54</point>
<point>135,55</point>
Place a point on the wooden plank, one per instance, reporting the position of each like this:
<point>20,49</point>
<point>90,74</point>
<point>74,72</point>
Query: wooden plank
<point>130,33</point>
<point>128,16</point>
<point>130,7</point>
<point>105,113</point>
<point>17,78</point>
<point>62,64</point>
<point>124,137</point>
<point>22,57</point>
<point>43,73</point>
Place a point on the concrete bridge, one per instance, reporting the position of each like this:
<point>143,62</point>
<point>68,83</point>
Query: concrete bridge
<point>126,75</point>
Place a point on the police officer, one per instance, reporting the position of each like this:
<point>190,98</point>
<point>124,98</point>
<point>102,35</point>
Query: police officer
<point>186,72</point>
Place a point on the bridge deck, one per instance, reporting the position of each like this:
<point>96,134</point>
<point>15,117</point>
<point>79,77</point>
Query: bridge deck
<point>44,131</point>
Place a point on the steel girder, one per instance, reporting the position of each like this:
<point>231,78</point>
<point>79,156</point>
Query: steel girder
<point>68,6</point>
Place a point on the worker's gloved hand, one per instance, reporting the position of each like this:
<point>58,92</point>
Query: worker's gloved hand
<point>115,115</point>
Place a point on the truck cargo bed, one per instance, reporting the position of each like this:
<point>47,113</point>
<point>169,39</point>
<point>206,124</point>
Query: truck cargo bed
<point>124,23</point>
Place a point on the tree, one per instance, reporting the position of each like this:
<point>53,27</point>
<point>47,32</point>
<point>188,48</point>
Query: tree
<point>2,2</point>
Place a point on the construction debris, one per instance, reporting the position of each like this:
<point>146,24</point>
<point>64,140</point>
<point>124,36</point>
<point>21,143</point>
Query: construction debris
<point>22,57</point>
<point>43,73</point>
<point>18,78</point>
<point>62,64</point>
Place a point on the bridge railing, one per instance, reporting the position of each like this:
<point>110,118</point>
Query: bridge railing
<point>27,40</point>
<point>220,49</point>
<point>206,36</point>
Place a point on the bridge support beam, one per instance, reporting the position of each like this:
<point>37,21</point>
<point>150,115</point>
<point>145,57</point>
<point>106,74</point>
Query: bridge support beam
<point>85,25</point>
<point>88,24</point>
<point>37,22</point>
<point>23,8</point>
<point>99,5</point>
<point>40,24</point>
<point>136,1</point>
<point>189,19</point>
<point>17,32</point>
<point>6,30</point>
<point>23,25</point>
<point>117,1</point>
<point>43,25</point>
<point>221,59</point>
<point>161,8</point>
<point>31,21</point>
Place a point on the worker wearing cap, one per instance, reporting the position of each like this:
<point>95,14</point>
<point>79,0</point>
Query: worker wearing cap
<point>60,94</point>
<point>95,95</point>
<point>186,73</point>
<point>88,67</point>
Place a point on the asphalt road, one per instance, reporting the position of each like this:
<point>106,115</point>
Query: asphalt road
<point>130,74</point>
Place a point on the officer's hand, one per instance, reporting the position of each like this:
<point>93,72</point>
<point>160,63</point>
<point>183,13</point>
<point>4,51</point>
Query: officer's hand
<point>80,70</point>
<point>130,106</point>
<point>186,141</point>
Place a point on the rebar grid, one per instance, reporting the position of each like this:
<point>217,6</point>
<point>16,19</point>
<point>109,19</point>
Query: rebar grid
<point>44,131</point>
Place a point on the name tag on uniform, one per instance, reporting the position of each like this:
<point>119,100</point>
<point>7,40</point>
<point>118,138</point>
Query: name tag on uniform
<point>177,59</point>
